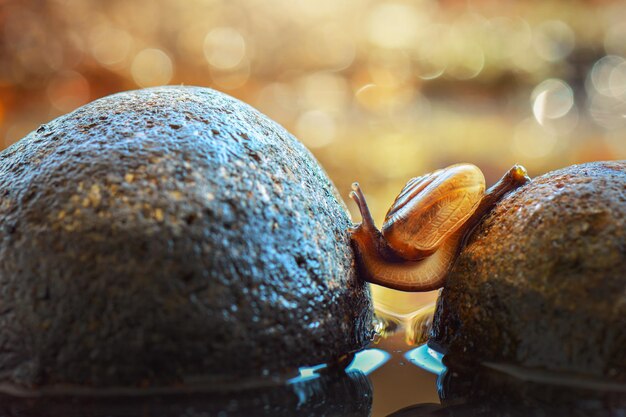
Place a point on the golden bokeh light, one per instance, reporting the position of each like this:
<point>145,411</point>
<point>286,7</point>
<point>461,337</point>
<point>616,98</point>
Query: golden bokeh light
<point>224,48</point>
<point>315,128</point>
<point>151,67</point>
<point>393,25</point>
<point>554,40</point>
<point>552,99</point>
<point>379,91</point>
<point>532,141</point>
<point>67,91</point>
<point>110,46</point>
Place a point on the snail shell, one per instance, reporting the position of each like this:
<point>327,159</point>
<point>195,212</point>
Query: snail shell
<point>426,226</point>
<point>429,209</point>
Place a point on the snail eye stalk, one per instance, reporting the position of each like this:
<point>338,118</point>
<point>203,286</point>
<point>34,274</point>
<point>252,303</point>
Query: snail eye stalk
<point>359,198</point>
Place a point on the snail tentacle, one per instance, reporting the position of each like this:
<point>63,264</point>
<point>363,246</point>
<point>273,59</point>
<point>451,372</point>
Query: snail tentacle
<point>359,198</point>
<point>366,233</point>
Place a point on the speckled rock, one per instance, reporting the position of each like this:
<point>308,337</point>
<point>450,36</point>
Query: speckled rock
<point>542,283</point>
<point>156,236</point>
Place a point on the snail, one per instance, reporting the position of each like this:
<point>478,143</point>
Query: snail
<point>426,226</point>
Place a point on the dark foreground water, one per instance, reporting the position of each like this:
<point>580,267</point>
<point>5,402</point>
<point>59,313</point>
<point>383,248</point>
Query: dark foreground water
<point>388,379</point>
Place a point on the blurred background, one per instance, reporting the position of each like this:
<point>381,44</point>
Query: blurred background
<point>379,91</point>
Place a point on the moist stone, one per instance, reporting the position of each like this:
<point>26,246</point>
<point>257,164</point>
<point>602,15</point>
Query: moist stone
<point>157,236</point>
<point>542,282</point>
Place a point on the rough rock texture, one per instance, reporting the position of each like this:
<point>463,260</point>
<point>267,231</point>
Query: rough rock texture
<point>542,283</point>
<point>157,235</point>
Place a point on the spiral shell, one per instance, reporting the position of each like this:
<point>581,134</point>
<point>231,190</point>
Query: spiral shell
<point>432,207</point>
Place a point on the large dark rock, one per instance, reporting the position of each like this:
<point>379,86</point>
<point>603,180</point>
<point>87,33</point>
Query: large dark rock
<point>542,283</point>
<point>159,235</point>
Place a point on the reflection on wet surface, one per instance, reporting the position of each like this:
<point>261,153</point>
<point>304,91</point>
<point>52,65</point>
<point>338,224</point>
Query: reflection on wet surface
<point>490,389</point>
<point>332,394</point>
<point>391,378</point>
<point>427,359</point>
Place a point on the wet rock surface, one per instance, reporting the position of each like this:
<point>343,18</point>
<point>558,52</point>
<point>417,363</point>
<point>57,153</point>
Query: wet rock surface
<point>156,236</point>
<point>486,391</point>
<point>542,282</point>
<point>329,395</point>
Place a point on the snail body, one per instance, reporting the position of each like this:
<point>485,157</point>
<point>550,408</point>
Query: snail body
<point>425,228</point>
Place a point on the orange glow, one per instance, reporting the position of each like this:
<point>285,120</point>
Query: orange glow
<point>379,91</point>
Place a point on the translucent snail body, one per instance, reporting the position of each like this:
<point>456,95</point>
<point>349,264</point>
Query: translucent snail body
<point>426,226</point>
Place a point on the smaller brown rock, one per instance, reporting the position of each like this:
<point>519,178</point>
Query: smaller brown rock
<point>542,282</point>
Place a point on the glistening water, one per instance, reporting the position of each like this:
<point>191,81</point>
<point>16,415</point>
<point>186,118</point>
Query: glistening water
<point>390,378</point>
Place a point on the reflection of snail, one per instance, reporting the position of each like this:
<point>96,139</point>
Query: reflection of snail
<point>425,227</point>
